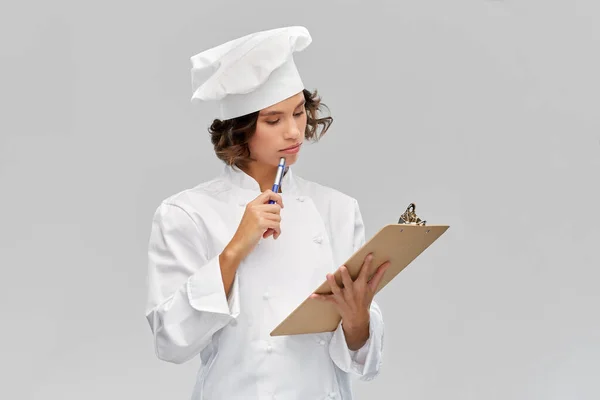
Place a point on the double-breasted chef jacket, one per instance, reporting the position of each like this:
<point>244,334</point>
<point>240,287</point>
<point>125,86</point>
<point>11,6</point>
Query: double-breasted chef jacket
<point>190,314</point>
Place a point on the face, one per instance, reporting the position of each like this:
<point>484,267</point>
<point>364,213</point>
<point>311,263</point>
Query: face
<point>279,132</point>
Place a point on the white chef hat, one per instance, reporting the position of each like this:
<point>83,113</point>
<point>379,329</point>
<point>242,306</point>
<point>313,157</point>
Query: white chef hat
<point>250,73</point>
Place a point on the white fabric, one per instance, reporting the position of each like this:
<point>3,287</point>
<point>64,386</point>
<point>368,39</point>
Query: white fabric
<point>250,73</point>
<point>190,315</point>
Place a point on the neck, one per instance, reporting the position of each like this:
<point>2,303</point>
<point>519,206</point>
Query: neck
<point>263,174</point>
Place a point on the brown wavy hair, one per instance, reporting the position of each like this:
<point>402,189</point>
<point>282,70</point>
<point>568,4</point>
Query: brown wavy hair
<point>230,137</point>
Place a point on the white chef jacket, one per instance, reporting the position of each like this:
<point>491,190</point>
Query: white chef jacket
<point>190,314</point>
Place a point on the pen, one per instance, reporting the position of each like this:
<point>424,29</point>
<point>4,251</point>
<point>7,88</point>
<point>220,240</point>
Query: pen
<point>278,177</point>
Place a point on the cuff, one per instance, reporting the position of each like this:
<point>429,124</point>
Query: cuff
<point>348,360</point>
<point>366,361</point>
<point>360,356</point>
<point>206,292</point>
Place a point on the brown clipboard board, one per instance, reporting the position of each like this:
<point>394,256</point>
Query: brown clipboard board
<point>399,243</point>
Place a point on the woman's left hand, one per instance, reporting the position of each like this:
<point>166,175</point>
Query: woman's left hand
<point>353,301</point>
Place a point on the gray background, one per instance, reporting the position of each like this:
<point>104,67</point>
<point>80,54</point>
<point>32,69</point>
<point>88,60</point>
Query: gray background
<point>484,113</point>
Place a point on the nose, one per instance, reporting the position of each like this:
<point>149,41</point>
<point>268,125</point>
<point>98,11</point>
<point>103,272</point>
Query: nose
<point>292,130</point>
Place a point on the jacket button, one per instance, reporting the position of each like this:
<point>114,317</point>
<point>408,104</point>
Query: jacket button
<point>322,342</point>
<point>300,198</point>
<point>318,239</point>
<point>265,295</point>
<point>269,348</point>
<point>331,395</point>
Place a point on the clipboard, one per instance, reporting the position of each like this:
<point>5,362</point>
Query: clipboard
<point>399,243</point>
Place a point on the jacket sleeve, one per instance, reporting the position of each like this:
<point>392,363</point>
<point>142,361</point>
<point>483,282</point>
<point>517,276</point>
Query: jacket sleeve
<point>365,362</point>
<point>186,300</point>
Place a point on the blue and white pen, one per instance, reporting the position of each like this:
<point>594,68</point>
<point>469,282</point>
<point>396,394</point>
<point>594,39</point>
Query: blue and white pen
<point>278,177</point>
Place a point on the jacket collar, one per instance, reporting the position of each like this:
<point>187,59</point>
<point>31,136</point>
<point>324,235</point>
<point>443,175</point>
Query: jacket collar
<point>241,180</point>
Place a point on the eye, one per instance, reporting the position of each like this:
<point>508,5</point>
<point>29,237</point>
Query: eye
<point>299,114</point>
<point>272,122</point>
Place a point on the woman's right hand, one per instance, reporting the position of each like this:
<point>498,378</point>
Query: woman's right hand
<point>260,220</point>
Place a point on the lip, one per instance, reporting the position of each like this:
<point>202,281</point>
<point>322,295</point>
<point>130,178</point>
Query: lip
<point>292,149</point>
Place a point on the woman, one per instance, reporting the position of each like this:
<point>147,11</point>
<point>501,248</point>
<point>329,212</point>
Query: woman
<point>226,267</point>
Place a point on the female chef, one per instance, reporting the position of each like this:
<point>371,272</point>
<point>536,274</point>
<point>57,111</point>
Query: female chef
<point>226,267</point>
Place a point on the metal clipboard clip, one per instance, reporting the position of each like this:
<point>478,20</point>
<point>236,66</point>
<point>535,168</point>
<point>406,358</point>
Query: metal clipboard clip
<point>410,217</point>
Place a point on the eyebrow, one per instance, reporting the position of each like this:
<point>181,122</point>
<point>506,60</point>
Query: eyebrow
<point>276,112</point>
